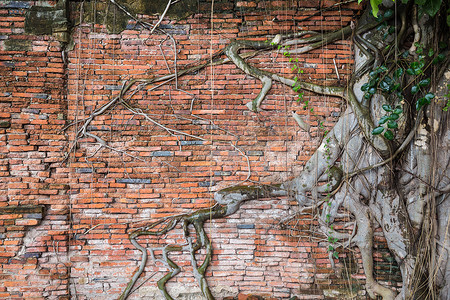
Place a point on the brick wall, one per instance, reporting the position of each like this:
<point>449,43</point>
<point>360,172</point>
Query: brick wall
<point>33,197</point>
<point>93,199</point>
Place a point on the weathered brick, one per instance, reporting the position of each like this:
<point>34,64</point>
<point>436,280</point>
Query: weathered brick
<point>133,180</point>
<point>162,153</point>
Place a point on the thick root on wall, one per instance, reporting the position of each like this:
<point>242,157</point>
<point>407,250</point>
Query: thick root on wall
<point>228,202</point>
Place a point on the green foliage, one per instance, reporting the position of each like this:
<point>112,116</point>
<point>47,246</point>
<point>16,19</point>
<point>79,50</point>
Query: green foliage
<point>375,4</point>
<point>392,125</point>
<point>430,7</point>
<point>439,58</point>
<point>379,80</point>
<point>389,135</point>
<point>295,68</point>
<point>336,255</point>
<point>417,68</point>
<point>378,130</point>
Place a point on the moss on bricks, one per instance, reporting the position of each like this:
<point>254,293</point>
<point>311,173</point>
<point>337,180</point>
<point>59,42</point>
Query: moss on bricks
<point>116,20</point>
<point>17,45</point>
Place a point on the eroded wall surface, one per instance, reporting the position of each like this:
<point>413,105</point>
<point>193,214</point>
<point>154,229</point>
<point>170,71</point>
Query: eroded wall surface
<point>65,212</point>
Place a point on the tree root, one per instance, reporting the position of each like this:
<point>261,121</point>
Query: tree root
<point>228,202</point>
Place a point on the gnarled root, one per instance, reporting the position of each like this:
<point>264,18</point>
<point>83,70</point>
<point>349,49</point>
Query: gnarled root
<point>228,202</point>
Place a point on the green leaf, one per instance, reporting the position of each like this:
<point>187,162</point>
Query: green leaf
<point>421,102</point>
<point>391,30</point>
<point>420,2</point>
<point>330,248</point>
<point>396,87</point>
<point>367,96</point>
<point>381,26</point>
<point>429,96</point>
<point>398,73</point>
<point>375,4</point>
<point>383,120</point>
<point>432,7</point>
<point>388,13</point>
<point>372,91</point>
<point>410,71</point>
<point>421,63</point>
<point>389,135</point>
<point>378,130</point>
<point>387,107</point>
<point>373,82</point>
<point>365,87</point>
<point>398,111</point>
<point>442,45</point>
<point>336,255</point>
<point>405,54</point>
<point>385,86</point>
<point>414,89</point>
<point>392,125</point>
<point>394,117</point>
<point>430,52</point>
<point>424,82</point>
